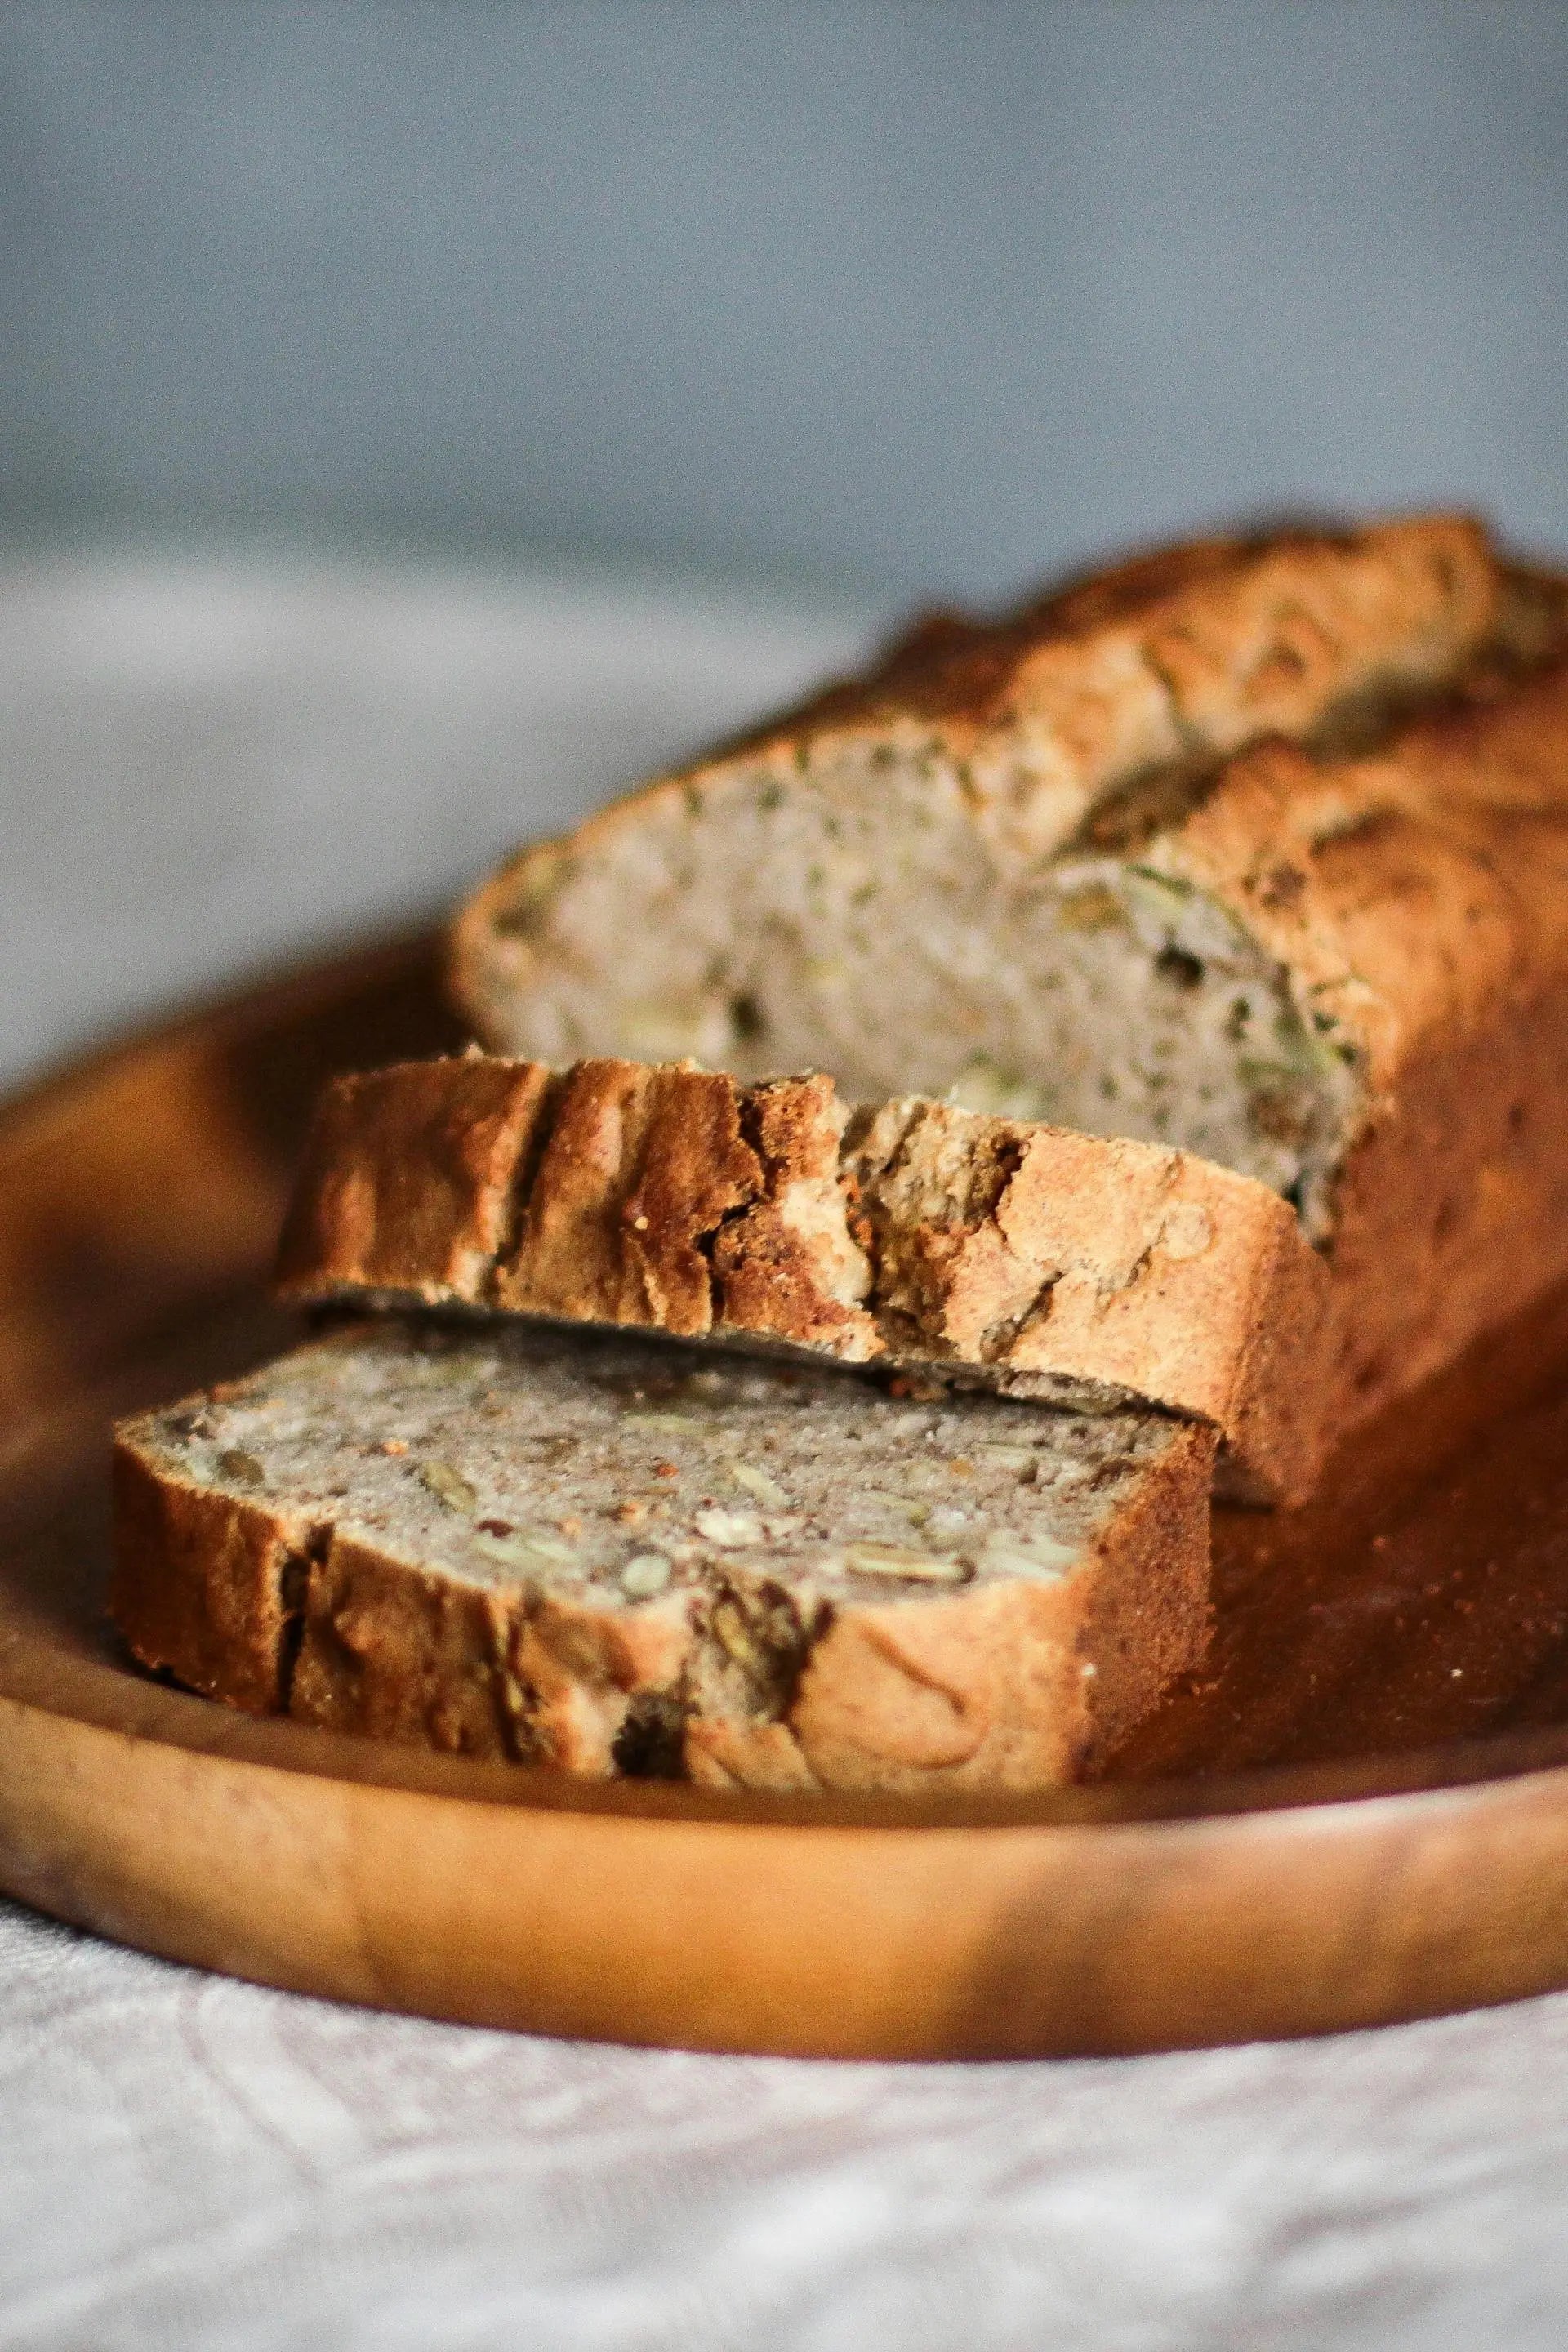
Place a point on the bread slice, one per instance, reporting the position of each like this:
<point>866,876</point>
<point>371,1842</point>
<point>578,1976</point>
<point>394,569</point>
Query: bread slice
<point>616,1557</point>
<point>1256,848</point>
<point>916,1234</point>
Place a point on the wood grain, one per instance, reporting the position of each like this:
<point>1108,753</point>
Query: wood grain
<point>1359,1812</point>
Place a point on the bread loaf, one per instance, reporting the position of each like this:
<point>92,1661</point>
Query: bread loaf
<point>913,1235</point>
<point>1254,848</point>
<point>615,1557</point>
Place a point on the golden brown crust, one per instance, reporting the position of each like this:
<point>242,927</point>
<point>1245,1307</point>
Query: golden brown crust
<point>1148,1612</point>
<point>204,1585</point>
<point>1126,1264</point>
<point>1013,1684</point>
<point>1419,898</point>
<point>1411,893</point>
<point>407,1176</point>
<point>650,1206</point>
<point>1020,1253</point>
<point>791,1268</point>
<point>1453,1208</point>
<point>1248,637</point>
<point>401,1655</point>
<point>575,1671</point>
<point>640,1162</point>
<point>1190,652</point>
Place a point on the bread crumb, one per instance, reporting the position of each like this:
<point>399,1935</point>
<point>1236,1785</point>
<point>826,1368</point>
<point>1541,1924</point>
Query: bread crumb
<point>664,1470</point>
<point>394,1445</point>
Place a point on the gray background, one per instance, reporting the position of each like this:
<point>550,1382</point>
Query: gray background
<point>908,299</point>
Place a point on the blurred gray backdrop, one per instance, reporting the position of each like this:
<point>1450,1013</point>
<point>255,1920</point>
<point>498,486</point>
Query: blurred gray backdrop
<point>902,298</point>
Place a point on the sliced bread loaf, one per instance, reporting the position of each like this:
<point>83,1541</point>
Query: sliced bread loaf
<point>920,880</point>
<point>915,1234</point>
<point>617,1557</point>
<point>1256,848</point>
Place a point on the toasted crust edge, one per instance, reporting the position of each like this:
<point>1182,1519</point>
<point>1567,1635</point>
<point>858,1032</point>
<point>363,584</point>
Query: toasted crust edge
<point>203,1586</point>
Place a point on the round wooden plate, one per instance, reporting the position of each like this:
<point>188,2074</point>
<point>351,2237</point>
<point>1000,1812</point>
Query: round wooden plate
<point>1360,1813</point>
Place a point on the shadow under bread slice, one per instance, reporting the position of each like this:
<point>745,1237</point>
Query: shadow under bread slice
<point>998,1252</point>
<point>618,1557</point>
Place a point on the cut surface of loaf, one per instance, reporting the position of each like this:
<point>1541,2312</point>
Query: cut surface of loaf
<point>617,1558</point>
<point>1258,848</point>
<point>912,1233</point>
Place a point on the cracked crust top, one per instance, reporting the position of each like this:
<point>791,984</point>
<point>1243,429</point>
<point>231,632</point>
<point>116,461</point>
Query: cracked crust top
<point>1182,655</point>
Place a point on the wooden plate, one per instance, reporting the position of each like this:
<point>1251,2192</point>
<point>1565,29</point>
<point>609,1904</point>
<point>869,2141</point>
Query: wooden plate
<point>1360,1813</point>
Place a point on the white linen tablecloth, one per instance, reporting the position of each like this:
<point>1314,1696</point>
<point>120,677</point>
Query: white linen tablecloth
<point>206,763</point>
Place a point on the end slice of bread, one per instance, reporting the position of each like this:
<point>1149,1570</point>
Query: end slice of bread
<point>995,1252</point>
<point>614,1557</point>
